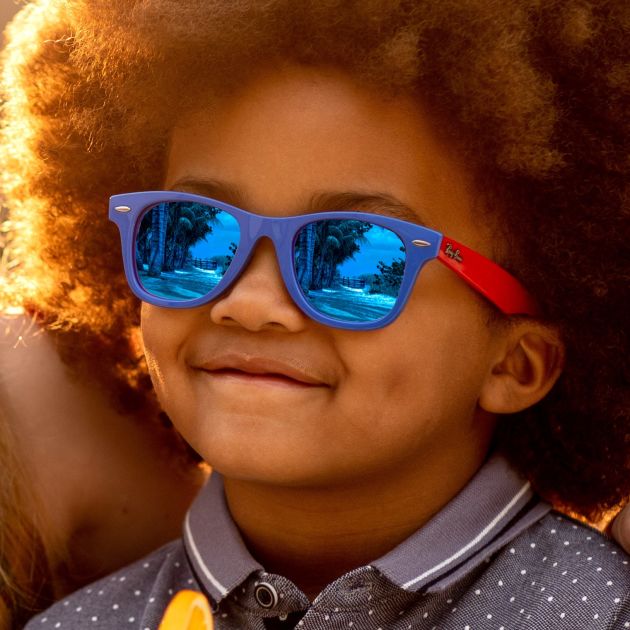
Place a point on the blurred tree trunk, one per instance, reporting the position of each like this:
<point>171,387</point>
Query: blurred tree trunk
<point>158,240</point>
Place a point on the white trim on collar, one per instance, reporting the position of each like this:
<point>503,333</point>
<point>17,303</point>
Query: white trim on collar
<point>476,540</point>
<point>199,563</point>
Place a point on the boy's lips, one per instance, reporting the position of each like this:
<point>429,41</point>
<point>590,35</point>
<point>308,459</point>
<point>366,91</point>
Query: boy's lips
<point>263,367</point>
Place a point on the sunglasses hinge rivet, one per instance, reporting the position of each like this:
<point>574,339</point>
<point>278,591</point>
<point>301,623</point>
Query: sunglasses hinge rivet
<point>420,243</point>
<point>122,209</point>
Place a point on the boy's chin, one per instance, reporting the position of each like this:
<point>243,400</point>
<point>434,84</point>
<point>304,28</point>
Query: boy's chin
<point>288,470</point>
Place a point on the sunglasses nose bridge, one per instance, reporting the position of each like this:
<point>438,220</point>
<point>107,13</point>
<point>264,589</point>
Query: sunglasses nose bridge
<point>275,229</point>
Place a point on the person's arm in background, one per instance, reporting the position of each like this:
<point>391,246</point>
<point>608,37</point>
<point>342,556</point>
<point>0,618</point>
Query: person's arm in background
<point>621,528</point>
<point>105,487</point>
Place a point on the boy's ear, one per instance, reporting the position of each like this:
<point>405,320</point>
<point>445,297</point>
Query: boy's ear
<point>529,360</point>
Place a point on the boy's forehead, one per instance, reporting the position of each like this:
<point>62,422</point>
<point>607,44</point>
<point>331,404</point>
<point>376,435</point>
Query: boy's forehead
<point>301,142</point>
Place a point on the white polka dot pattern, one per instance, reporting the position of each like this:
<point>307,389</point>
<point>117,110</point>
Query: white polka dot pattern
<point>556,575</point>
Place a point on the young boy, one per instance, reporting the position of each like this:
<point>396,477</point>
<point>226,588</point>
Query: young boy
<point>322,320</point>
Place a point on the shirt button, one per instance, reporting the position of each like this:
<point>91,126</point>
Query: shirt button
<point>266,595</point>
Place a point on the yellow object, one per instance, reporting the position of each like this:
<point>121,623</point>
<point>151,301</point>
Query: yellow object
<point>188,610</point>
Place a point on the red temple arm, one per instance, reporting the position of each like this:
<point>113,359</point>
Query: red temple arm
<point>488,278</point>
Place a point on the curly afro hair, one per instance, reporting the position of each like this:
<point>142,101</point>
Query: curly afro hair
<point>536,93</point>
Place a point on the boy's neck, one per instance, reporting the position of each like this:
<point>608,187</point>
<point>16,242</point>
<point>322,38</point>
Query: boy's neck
<point>313,536</point>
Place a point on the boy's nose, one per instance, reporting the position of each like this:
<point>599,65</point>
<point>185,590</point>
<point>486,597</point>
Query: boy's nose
<point>258,299</point>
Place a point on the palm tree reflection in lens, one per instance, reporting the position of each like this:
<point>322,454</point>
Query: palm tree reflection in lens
<point>183,249</point>
<point>349,270</point>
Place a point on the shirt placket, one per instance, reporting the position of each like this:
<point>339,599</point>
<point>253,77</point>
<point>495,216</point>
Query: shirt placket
<point>263,602</point>
<point>361,599</point>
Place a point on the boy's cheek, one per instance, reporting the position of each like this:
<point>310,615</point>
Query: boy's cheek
<point>163,329</point>
<point>161,338</point>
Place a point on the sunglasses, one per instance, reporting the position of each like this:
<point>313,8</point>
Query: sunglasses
<point>351,270</point>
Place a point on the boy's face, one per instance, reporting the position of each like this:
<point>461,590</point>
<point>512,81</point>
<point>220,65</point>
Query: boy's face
<point>381,402</point>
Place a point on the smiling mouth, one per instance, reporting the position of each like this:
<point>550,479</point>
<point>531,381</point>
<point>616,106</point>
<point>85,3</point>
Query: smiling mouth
<point>266,378</point>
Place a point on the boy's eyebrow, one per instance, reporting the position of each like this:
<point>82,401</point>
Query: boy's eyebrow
<point>323,201</point>
<point>375,202</point>
<point>213,188</point>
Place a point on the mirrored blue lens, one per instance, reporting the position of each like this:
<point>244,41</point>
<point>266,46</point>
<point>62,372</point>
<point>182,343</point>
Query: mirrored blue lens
<point>349,270</point>
<point>183,249</point>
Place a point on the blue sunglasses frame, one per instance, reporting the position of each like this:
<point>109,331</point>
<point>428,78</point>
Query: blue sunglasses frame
<point>422,244</point>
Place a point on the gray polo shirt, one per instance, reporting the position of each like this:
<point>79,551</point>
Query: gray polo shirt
<point>495,558</point>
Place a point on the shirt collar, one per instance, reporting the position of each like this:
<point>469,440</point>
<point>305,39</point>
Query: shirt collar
<point>213,543</point>
<point>492,509</point>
